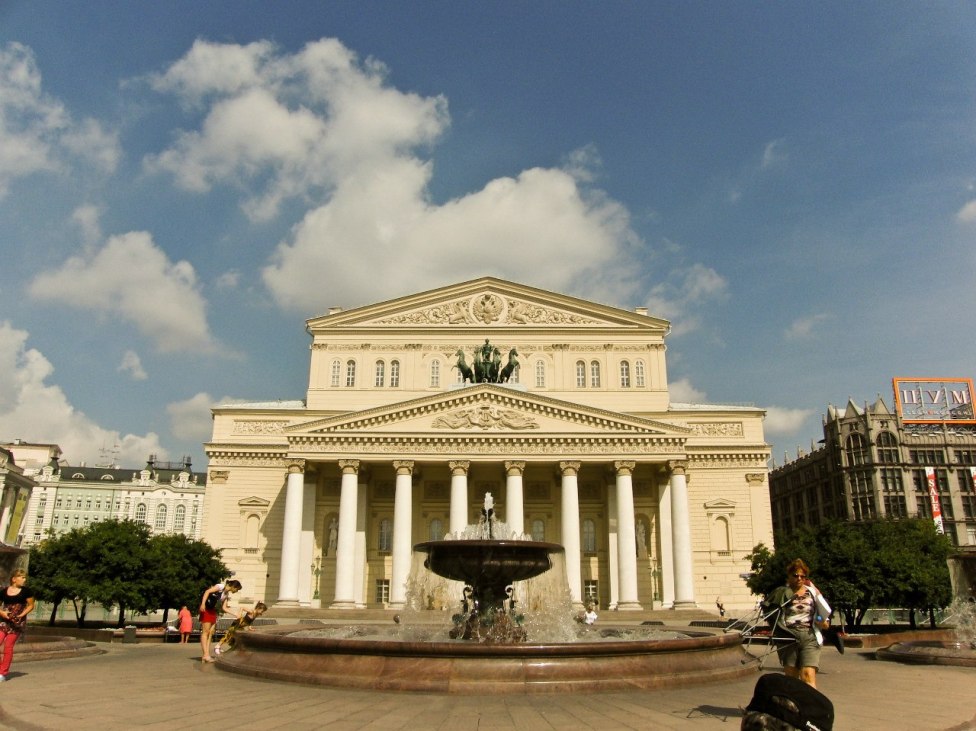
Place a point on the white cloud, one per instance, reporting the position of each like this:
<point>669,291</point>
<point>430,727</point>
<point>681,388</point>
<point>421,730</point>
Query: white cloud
<point>683,392</point>
<point>773,154</point>
<point>37,134</point>
<point>967,214</point>
<point>803,328</point>
<point>686,292</point>
<point>322,125</point>
<point>132,364</point>
<point>37,411</point>
<point>228,280</point>
<point>191,420</point>
<point>132,279</point>
<point>87,219</point>
<point>780,421</point>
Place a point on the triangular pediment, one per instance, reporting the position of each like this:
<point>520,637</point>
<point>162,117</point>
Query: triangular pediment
<point>488,302</point>
<point>488,409</point>
<point>253,502</point>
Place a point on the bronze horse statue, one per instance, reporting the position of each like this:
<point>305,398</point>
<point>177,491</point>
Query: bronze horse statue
<point>506,374</point>
<point>467,374</point>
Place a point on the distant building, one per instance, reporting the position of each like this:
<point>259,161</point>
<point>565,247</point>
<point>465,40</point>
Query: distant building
<point>16,485</point>
<point>918,460</point>
<point>168,497</point>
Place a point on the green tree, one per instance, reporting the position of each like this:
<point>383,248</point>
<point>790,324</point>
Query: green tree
<point>117,555</point>
<point>58,573</point>
<point>858,566</point>
<point>180,570</point>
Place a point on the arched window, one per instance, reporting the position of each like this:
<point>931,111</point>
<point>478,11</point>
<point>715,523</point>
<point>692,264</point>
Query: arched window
<point>580,374</point>
<point>540,374</point>
<point>141,513</point>
<point>720,535</point>
<point>589,536</point>
<point>887,448</point>
<point>857,450</point>
<point>624,374</point>
<point>435,373</point>
<point>336,374</point>
<point>380,374</point>
<point>179,518</point>
<point>436,530</point>
<point>595,374</point>
<point>385,538</point>
<point>350,373</point>
<point>538,530</point>
<point>639,374</point>
<point>394,374</point>
<point>160,523</point>
<point>251,531</point>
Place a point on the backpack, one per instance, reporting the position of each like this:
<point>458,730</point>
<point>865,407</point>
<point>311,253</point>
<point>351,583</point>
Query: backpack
<point>792,701</point>
<point>213,601</point>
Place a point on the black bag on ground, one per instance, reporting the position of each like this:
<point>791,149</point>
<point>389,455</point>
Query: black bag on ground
<point>792,701</point>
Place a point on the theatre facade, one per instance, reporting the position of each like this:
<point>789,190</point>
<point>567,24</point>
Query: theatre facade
<point>419,406</point>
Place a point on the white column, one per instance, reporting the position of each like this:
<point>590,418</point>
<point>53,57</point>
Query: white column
<point>571,529</point>
<point>612,548</point>
<point>306,554</point>
<point>626,539</point>
<point>359,579</point>
<point>684,588</point>
<point>459,496</point>
<point>345,597</point>
<point>514,508</point>
<point>666,559</point>
<point>402,533</point>
<point>291,535</point>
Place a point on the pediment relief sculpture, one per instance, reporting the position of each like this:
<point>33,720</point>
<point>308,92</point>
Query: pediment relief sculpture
<point>488,308</point>
<point>485,417</point>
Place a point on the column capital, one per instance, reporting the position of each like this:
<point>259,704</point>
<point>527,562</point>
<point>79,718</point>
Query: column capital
<point>296,465</point>
<point>349,466</point>
<point>755,478</point>
<point>625,467</point>
<point>569,468</point>
<point>514,467</point>
<point>403,466</point>
<point>678,467</point>
<point>459,467</point>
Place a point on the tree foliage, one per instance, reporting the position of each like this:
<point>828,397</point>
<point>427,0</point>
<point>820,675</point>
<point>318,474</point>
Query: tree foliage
<point>119,564</point>
<point>858,566</point>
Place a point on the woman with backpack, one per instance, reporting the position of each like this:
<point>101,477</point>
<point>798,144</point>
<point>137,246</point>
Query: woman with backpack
<point>212,604</point>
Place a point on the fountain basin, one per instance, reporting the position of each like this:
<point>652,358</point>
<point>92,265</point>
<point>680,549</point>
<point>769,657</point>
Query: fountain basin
<point>287,653</point>
<point>931,652</point>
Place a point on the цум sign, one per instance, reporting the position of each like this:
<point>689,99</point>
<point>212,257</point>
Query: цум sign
<point>934,400</point>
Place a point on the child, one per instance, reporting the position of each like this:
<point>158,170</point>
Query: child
<point>244,623</point>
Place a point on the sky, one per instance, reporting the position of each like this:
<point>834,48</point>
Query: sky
<point>183,184</point>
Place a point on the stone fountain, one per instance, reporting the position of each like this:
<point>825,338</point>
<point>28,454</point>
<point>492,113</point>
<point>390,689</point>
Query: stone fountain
<point>960,651</point>
<point>487,648</point>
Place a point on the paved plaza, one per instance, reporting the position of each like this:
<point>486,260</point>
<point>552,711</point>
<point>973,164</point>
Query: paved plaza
<point>164,686</point>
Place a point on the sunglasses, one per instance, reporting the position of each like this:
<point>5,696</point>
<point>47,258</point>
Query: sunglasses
<point>799,576</point>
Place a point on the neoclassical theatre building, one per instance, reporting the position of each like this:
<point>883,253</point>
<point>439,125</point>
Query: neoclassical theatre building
<point>418,406</point>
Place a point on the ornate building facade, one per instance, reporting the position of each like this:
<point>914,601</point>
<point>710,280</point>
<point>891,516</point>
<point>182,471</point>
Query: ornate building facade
<point>557,406</point>
<point>168,497</point>
<point>873,464</point>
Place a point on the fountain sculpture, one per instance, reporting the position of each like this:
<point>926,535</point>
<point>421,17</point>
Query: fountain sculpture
<point>488,649</point>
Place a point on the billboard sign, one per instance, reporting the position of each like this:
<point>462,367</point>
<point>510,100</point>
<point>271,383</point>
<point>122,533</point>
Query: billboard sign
<point>934,400</point>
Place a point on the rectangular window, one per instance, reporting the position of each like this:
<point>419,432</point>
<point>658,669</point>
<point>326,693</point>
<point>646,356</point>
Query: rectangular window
<point>591,591</point>
<point>383,591</point>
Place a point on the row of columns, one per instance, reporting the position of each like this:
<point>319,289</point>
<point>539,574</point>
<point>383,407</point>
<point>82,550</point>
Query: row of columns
<point>351,542</point>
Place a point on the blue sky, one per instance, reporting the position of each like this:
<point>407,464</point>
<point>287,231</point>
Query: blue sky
<point>182,184</point>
